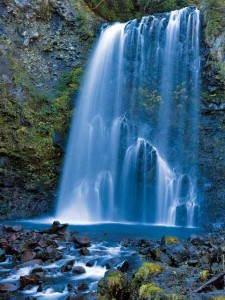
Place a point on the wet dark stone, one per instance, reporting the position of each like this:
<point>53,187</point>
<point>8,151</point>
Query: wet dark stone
<point>39,272</point>
<point>83,286</point>
<point>113,262</point>
<point>29,280</point>
<point>16,228</point>
<point>81,241</point>
<point>49,254</point>
<point>79,270</point>
<point>196,240</point>
<point>91,262</point>
<point>68,266</point>
<point>125,242</point>
<point>193,262</point>
<point>84,251</point>
<point>32,262</point>
<point>42,243</point>
<point>175,249</point>
<point>8,287</point>
<point>71,288</point>
<point>159,255</point>
<point>2,255</point>
<point>28,255</point>
<point>40,288</point>
<point>124,266</point>
<point>56,227</point>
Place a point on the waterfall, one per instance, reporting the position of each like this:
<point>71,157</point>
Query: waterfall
<point>132,149</point>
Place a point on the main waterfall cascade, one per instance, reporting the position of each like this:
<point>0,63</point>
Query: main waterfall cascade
<point>132,149</point>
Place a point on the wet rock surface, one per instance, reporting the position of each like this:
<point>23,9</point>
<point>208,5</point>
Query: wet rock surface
<point>49,264</point>
<point>42,43</point>
<point>39,265</point>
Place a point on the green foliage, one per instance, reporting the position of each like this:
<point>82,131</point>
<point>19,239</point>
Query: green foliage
<point>214,14</point>
<point>151,6</point>
<point>110,286</point>
<point>112,10</point>
<point>204,275</point>
<point>170,239</point>
<point>150,100</point>
<point>117,10</point>
<point>29,127</point>
<point>115,281</point>
<point>146,291</point>
<point>82,13</point>
<point>147,270</point>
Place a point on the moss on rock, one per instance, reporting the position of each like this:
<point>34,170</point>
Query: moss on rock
<point>147,270</point>
<point>170,239</point>
<point>147,291</point>
<point>112,285</point>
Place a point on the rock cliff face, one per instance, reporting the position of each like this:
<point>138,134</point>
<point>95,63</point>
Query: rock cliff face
<point>44,45</point>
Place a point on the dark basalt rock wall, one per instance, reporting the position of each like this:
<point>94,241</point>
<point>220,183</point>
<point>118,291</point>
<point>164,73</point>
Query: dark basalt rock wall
<point>43,47</point>
<point>212,145</point>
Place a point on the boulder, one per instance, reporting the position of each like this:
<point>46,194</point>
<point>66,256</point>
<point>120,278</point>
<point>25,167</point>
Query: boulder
<point>32,263</point>
<point>124,266</point>
<point>81,241</point>
<point>29,280</point>
<point>39,272</point>
<point>175,249</point>
<point>55,228</point>
<point>112,286</point>
<point>15,228</point>
<point>8,287</point>
<point>68,266</point>
<point>158,255</point>
<point>91,262</point>
<point>84,251</point>
<point>196,240</point>
<point>42,243</point>
<point>28,255</point>
<point>83,286</point>
<point>2,255</point>
<point>71,288</point>
<point>113,262</point>
<point>50,253</point>
<point>79,270</point>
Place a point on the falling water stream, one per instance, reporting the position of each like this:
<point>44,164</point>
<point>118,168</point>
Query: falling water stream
<point>132,149</point>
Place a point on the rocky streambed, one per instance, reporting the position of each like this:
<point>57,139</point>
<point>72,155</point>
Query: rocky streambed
<point>57,263</point>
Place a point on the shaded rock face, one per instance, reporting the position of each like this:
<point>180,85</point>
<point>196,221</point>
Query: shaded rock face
<point>42,42</point>
<point>212,134</point>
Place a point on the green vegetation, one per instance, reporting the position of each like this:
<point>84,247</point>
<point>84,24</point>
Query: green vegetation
<point>204,275</point>
<point>214,15</point>
<point>146,291</point>
<point>147,270</point>
<point>111,285</point>
<point>30,123</point>
<point>170,239</point>
<point>116,10</point>
<point>215,23</point>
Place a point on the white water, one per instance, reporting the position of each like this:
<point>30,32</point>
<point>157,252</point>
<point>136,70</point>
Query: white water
<point>128,161</point>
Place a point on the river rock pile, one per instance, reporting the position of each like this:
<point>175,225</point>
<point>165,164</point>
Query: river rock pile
<point>171,269</point>
<point>32,262</point>
<point>21,248</point>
